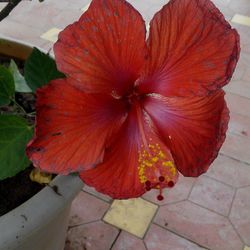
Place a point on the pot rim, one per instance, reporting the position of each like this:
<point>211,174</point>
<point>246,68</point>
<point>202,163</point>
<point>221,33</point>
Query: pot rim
<point>7,40</point>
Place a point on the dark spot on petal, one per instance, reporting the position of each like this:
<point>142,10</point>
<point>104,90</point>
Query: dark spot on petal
<point>94,28</point>
<point>35,149</point>
<point>56,134</point>
<point>86,51</point>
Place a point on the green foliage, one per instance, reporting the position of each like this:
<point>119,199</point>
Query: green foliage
<point>20,83</point>
<point>15,131</point>
<point>14,135</point>
<point>7,86</point>
<point>39,69</point>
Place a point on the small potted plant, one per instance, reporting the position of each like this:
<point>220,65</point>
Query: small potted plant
<point>30,218</point>
<point>129,114</point>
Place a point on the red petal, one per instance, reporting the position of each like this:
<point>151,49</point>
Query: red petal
<point>134,162</point>
<point>72,128</point>
<point>105,49</point>
<point>193,50</point>
<point>194,128</point>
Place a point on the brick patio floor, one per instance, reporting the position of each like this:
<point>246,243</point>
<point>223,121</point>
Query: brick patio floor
<point>211,212</point>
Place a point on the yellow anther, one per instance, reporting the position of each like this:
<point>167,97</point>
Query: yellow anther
<point>165,164</point>
<point>155,159</point>
<point>161,154</point>
<point>168,164</point>
<point>173,171</point>
<point>148,163</point>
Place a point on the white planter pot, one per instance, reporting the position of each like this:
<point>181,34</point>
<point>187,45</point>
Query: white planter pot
<point>41,222</point>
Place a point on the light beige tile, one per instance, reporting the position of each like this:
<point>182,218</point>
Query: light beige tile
<point>133,215</point>
<point>83,9</point>
<point>51,35</point>
<point>246,248</point>
<point>240,19</point>
<point>2,5</point>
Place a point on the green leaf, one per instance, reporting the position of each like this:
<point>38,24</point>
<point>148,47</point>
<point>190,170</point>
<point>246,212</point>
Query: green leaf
<point>14,135</point>
<point>7,86</point>
<point>20,83</point>
<point>39,69</point>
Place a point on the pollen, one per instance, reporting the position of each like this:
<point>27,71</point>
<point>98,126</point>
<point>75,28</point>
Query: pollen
<point>155,159</point>
<point>161,154</point>
<point>167,164</point>
<point>155,167</point>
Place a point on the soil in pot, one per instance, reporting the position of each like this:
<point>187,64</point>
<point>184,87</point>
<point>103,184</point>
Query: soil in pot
<point>16,190</point>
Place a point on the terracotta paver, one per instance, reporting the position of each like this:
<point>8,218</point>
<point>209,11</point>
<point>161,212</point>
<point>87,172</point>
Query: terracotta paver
<point>239,87</point>
<point>244,34</point>
<point>211,212</point>
<point>21,32</point>
<point>158,238</point>
<point>239,125</point>
<point>93,236</point>
<point>246,76</point>
<point>230,171</point>
<point>240,6</point>
<point>68,5</point>
<point>213,195</point>
<point>86,208</point>
<point>240,214</point>
<point>236,147</point>
<point>242,103</point>
<point>92,191</point>
<point>240,70</point>
<point>200,225</point>
<point>55,17</point>
<point>221,3</point>
<point>127,241</point>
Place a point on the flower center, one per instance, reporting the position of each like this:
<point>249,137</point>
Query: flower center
<point>130,98</point>
<point>133,97</point>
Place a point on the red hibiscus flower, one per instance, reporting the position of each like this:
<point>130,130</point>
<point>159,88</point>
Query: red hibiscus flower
<point>132,112</point>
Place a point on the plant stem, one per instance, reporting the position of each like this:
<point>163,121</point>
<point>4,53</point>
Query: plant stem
<point>23,113</point>
<point>19,106</point>
<point>8,8</point>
